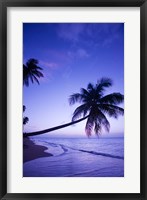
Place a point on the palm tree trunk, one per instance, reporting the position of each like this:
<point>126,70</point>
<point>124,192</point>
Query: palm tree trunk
<point>54,128</point>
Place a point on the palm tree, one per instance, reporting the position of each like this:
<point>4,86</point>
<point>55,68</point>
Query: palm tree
<point>25,119</point>
<point>97,106</point>
<point>94,108</point>
<point>31,71</point>
<point>24,108</point>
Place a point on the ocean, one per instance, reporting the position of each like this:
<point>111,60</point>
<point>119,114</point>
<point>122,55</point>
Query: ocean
<point>78,157</point>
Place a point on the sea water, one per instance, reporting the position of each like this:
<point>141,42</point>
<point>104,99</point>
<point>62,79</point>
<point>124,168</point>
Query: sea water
<point>78,157</point>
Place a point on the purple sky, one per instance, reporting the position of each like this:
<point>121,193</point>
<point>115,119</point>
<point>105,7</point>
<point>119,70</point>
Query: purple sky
<point>71,55</point>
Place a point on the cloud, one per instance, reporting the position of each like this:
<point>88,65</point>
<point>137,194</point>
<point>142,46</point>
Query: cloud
<point>112,33</point>
<point>89,35</point>
<point>70,31</point>
<point>82,53</point>
<point>67,72</point>
<point>48,70</point>
<point>50,65</point>
<point>57,56</point>
<point>78,53</point>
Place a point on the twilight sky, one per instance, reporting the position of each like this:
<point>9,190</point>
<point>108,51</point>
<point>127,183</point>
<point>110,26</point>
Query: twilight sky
<point>71,55</point>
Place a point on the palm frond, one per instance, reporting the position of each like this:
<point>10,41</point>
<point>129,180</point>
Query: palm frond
<point>34,77</point>
<point>84,92</point>
<point>114,98</point>
<point>31,78</point>
<point>111,110</point>
<point>89,125</point>
<point>105,82</point>
<point>32,61</point>
<point>37,67</point>
<point>75,98</point>
<point>37,73</point>
<point>31,71</point>
<point>102,84</point>
<point>97,129</point>
<point>81,110</point>
<point>90,87</point>
<point>102,120</point>
<point>26,81</point>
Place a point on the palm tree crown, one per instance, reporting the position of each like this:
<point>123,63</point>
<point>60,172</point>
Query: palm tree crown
<point>96,105</point>
<point>31,71</point>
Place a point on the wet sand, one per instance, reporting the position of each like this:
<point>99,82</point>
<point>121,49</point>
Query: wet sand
<point>32,151</point>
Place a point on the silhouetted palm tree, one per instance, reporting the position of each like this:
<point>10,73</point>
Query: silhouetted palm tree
<point>97,106</point>
<point>24,108</point>
<point>25,120</point>
<point>31,71</point>
<point>94,107</point>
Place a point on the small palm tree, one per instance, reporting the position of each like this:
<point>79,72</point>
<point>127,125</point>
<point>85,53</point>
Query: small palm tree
<point>94,108</point>
<point>97,106</point>
<point>25,119</point>
<point>24,108</point>
<point>31,71</point>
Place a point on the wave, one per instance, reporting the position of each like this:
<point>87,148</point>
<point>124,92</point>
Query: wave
<point>66,149</point>
<point>102,154</point>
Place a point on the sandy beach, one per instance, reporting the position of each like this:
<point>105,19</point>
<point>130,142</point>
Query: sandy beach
<point>32,151</point>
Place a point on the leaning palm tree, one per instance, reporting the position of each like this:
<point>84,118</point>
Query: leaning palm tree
<point>94,107</point>
<point>31,71</point>
<point>97,106</point>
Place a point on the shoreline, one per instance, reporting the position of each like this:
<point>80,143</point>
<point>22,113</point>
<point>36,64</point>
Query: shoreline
<point>32,151</point>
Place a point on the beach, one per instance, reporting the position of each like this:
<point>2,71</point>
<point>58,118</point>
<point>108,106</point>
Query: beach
<point>79,157</point>
<point>32,151</point>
